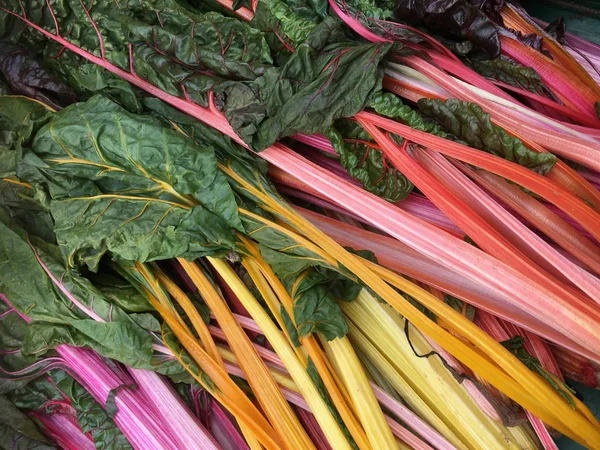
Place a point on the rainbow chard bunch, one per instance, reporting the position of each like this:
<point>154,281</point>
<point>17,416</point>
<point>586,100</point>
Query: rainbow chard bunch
<point>344,224</point>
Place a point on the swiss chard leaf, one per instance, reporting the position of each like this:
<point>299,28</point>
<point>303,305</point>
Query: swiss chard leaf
<point>20,118</point>
<point>124,183</point>
<point>510,72</point>
<point>182,52</point>
<point>94,420</point>
<point>326,78</point>
<point>315,311</point>
<point>288,23</point>
<point>390,105</point>
<point>17,431</point>
<point>470,123</point>
<point>56,319</point>
<point>362,158</point>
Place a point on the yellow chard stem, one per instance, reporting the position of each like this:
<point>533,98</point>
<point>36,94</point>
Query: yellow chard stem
<point>193,314</point>
<point>350,369</point>
<point>272,401</point>
<point>339,396</point>
<point>206,339</point>
<point>317,405</point>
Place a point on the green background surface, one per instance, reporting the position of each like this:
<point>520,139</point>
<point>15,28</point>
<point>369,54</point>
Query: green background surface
<point>583,19</point>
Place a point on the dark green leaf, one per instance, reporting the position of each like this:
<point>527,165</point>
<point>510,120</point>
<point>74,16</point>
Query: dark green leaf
<point>362,159</point>
<point>470,123</point>
<point>290,327</point>
<point>111,405</point>
<point>93,419</point>
<point>17,431</point>
<point>510,72</point>
<point>124,183</point>
<point>326,78</point>
<point>315,307</point>
<point>56,319</point>
<point>390,105</point>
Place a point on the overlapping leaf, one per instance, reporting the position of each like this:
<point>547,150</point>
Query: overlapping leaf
<point>124,183</point>
<point>470,123</point>
<point>326,78</point>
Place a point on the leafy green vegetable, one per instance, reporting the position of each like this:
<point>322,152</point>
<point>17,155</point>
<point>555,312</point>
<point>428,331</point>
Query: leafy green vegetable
<point>326,78</point>
<point>390,105</point>
<point>130,186</point>
<point>182,52</point>
<point>361,157</point>
<point>470,123</point>
<point>17,431</point>
<point>290,327</point>
<point>315,309</point>
<point>288,23</point>
<point>44,391</point>
<point>94,420</point>
<point>510,72</point>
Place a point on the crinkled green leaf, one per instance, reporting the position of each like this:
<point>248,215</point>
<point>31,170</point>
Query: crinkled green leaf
<point>326,78</point>
<point>121,293</point>
<point>180,51</point>
<point>93,419</point>
<point>510,72</point>
<point>390,105</point>
<point>17,431</point>
<point>52,387</point>
<point>316,311</point>
<point>470,123</point>
<point>20,118</point>
<point>88,79</point>
<point>56,319</point>
<point>363,160</point>
<point>288,23</point>
<point>315,307</point>
<point>225,149</point>
<point>124,183</point>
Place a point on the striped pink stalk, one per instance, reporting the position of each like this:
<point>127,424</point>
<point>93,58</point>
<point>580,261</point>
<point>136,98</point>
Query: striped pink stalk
<point>63,430</point>
<point>535,248</point>
<point>548,219</point>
